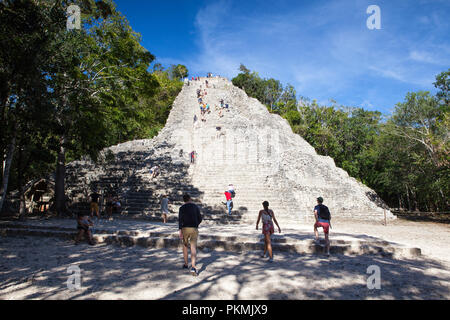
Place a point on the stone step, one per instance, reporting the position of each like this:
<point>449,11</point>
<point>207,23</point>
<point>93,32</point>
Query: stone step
<point>242,189</point>
<point>215,242</point>
<point>248,213</point>
<point>218,216</point>
<point>229,173</point>
<point>258,198</point>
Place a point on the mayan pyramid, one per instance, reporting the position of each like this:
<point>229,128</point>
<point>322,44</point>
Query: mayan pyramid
<point>245,146</point>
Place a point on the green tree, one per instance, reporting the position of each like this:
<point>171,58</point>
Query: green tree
<point>178,72</point>
<point>418,144</point>
<point>24,37</point>
<point>95,74</point>
<point>288,99</point>
<point>272,92</point>
<point>443,84</point>
<point>416,120</point>
<point>90,79</point>
<point>244,69</point>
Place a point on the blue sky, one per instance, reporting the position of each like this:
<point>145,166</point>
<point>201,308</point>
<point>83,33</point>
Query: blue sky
<point>323,48</point>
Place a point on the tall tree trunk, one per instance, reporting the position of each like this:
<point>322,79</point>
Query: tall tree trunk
<point>60,195</point>
<point>415,201</point>
<point>6,169</point>
<point>407,198</point>
<point>23,204</point>
<point>3,111</point>
<point>443,201</point>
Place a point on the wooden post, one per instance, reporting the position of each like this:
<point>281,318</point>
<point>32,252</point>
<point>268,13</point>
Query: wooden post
<point>385,220</point>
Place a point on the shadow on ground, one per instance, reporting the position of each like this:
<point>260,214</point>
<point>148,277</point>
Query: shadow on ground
<point>36,268</point>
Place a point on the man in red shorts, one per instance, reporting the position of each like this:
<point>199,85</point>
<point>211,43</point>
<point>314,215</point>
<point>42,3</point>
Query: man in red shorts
<point>323,218</point>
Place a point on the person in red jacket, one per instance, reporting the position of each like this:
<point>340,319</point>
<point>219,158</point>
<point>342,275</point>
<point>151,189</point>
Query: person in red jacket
<point>229,201</point>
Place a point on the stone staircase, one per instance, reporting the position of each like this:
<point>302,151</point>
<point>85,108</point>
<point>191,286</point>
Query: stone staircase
<point>254,150</point>
<point>128,175</point>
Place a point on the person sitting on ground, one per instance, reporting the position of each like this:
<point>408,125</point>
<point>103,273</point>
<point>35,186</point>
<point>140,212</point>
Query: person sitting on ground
<point>164,208</point>
<point>83,226</point>
<point>323,219</point>
<point>268,218</point>
<point>189,218</point>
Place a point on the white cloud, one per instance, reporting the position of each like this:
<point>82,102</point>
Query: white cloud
<point>428,57</point>
<point>324,49</point>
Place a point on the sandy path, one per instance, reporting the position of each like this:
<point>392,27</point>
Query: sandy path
<point>36,268</point>
<point>432,238</point>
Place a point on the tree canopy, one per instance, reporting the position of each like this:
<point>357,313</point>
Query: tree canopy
<point>66,93</point>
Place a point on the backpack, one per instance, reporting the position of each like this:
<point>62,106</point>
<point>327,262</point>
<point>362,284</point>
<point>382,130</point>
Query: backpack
<point>324,212</point>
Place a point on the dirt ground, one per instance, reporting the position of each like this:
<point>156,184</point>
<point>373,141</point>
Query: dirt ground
<point>432,238</point>
<point>37,268</point>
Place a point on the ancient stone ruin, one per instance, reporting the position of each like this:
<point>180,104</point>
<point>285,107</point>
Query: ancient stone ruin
<point>243,145</point>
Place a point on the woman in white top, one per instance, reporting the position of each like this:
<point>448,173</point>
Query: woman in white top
<point>164,208</point>
<point>268,218</point>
